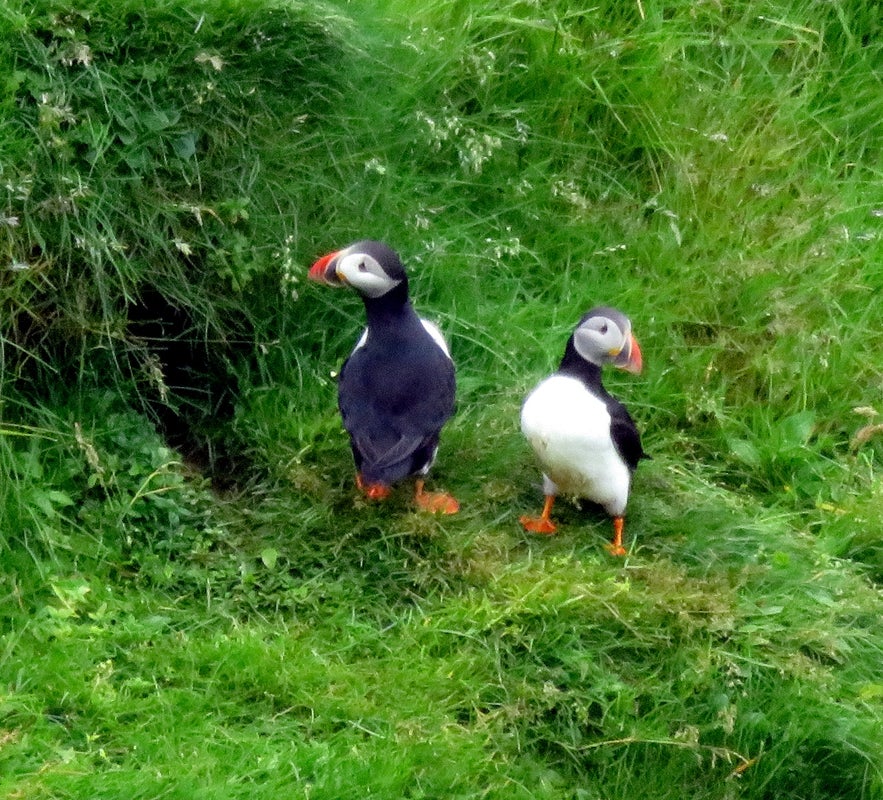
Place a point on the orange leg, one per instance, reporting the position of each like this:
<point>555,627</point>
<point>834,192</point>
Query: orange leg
<point>434,502</point>
<point>542,523</point>
<point>615,547</point>
<point>373,491</point>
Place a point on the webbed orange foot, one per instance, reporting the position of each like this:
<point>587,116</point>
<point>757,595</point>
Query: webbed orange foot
<point>435,502</point>
<point>538,524</point>
<point>543,523</point>
<point>373,491</point>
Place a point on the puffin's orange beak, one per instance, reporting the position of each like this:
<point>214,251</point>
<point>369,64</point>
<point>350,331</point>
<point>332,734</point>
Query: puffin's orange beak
<point>324,270</point>
<point>629,357</point>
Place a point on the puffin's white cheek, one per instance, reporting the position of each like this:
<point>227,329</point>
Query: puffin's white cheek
<point>369,284</point>
<point>597,347</point>
<point>588,344</point>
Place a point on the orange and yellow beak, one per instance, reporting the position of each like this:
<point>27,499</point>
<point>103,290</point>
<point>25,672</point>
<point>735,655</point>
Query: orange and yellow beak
<point>629,357</point>
<point>325,270</point>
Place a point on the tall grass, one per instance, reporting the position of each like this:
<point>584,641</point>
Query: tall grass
<point>149,155</point>
<point>712,169</point>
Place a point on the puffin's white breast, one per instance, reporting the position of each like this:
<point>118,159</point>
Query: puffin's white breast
<point>569,430</point>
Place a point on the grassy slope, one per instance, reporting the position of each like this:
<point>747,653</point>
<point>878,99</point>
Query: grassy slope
<point>713,173</point>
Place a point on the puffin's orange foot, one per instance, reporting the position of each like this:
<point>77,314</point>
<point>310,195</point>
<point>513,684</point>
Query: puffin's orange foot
<point>538,524</point>
<point>376,491</point>
<point>615,547</point>
<point>373,491</point>
<point>543,523</point>
<point>435,502</point>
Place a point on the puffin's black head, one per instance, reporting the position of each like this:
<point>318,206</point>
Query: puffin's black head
<point>604,336</point>
<point>371,268</point>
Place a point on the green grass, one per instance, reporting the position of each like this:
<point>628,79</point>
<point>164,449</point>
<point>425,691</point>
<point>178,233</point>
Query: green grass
<point>169,173</point>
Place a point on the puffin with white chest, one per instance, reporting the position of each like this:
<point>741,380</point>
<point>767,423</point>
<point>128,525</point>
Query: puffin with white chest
<point>396,389</point>
<point>584,438</point>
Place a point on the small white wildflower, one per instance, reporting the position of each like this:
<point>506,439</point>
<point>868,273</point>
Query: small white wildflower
<point>483,64</point>
<point>76,53</point>
<point>153,368</point>
<point>59,204</point>
<point>182,247</point>
<point>442,130</point>
<point>613,248</point>
<point>510,248</point>
<point>877,212</point>
<point>216,62</point>
<point>477,150</point>
<point>290,271</point>
<point>375,165</point>
<point>523,187</point>
<point>9,221</point>
<point>720,136</point>
<point>88,449</point>
<point>568,191</point>
<point>522,132</point>
<point>689,733</point>
<point>54,110</point>
<point>19,266</point>
<point>21,191</point>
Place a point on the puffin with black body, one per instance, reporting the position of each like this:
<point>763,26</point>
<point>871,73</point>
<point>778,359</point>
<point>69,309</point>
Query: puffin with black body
<point>396,389</point>
<point>585,439</point>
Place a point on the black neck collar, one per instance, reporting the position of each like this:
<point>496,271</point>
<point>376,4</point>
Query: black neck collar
<point>575,366</point>
<point>392,309</point>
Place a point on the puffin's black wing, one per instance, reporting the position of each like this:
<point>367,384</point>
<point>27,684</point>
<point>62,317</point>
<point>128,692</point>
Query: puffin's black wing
<point>625,434</point>
<point>394,402</point>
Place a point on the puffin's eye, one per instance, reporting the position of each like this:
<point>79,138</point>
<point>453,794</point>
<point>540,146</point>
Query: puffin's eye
<point>604,328</point>
<point>362,267</point>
